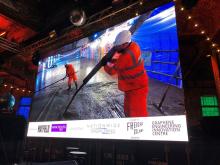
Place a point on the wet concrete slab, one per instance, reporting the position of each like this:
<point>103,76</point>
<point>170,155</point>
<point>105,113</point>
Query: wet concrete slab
<point>99,99</point>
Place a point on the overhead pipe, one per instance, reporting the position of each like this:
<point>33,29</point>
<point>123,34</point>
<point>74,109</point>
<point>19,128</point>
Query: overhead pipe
<point>11,49</point>
<point>9,42</point>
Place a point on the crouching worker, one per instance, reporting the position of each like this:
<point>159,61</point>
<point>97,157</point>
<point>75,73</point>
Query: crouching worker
<point>132,77</point>
<point>71,74</point>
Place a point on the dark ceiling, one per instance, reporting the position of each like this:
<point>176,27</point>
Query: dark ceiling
<point>23,22</point>
<point>43,16</point>
<point>55,13</point>
<point>27,21</point>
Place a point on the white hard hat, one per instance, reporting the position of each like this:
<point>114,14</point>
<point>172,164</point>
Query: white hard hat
<point>122,37</point>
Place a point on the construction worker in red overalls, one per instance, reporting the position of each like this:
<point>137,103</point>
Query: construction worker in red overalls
<point>132,77</point>
<point>71,74</point>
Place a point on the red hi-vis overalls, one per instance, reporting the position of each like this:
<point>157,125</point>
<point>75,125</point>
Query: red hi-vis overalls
<point>133,80</point>
<point>71,74</point>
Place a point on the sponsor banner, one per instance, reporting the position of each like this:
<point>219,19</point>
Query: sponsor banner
<point>58,128</point>
<point>164,128</point>
<point>43,128</point>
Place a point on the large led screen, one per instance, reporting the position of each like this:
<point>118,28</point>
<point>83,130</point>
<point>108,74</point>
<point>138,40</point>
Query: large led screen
<point>138,95</point>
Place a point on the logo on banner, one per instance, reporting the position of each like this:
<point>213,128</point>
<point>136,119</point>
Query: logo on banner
<point>135,126</point>
<point>103,128</point>
<point>164,127</point>
<point>58,127</point>
<point>43,128</point>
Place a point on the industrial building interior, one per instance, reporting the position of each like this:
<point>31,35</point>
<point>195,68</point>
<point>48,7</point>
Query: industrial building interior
<point>180,45</point>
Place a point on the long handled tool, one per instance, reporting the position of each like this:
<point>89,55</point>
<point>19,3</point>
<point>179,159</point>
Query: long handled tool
<point>108,57</point>
<point>49,85</point>
<point>103,62</point>
<point>159,107</point>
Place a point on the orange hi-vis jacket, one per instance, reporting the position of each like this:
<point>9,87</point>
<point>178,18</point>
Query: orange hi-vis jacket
<point>130,69</point>
<point>70,72</point>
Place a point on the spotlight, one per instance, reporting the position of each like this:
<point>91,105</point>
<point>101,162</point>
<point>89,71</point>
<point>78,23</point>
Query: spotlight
<point>77,17</point>
<point>213,45</point>
<point>2,34</point>
<point>53,34</point>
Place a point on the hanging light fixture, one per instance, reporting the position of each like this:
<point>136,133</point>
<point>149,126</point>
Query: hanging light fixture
<point>77,17</point>
<point>2,34</point>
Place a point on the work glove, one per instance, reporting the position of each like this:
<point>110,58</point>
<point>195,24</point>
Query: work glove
<point>110,65</point>
<point>105,60</point>
<point>108,56</point>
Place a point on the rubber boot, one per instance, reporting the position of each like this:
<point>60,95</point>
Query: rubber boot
<point>76,84</point>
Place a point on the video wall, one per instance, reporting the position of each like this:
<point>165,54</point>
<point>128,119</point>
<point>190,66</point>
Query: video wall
<point>136,96</point>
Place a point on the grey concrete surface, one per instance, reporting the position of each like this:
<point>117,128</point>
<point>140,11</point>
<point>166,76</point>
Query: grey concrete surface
<point>100,98</point>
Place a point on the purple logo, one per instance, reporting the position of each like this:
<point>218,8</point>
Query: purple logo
<point>58,128</point>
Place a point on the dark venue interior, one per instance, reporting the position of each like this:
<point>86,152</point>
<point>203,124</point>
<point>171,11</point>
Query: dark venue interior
<point>49,116</point>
